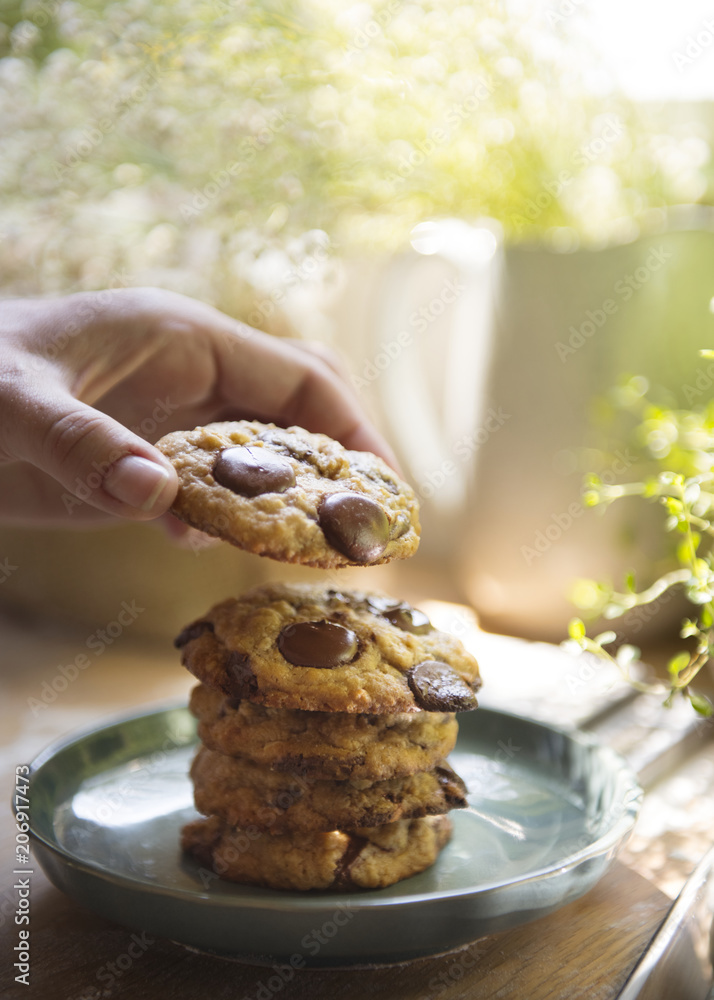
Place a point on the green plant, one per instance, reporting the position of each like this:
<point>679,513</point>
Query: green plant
<point>679,444</point>
<point>201,144</point>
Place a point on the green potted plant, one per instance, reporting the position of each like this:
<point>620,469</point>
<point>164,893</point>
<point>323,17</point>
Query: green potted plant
<point>679,444</point>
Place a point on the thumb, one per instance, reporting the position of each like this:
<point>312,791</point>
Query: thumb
<point>97,460</point>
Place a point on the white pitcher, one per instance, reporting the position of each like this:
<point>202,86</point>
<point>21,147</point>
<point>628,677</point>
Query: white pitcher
<point>484,363</point>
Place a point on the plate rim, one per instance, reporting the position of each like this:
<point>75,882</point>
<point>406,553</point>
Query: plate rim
<point>362,900</point>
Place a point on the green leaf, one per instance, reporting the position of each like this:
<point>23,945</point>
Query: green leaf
<point>678,663</point>
<point>680,477</point>
<point>701,704</point>
<point>576,629</point>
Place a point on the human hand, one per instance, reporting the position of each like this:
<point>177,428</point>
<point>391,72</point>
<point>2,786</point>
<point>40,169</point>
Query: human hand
<point>87,381</point>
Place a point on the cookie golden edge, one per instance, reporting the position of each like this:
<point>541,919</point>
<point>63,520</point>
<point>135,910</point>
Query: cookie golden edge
<point>244,794</point>
<point>323,744</point>
<point>233,648</point>
<point>367,858</point>
<point>204,504</point>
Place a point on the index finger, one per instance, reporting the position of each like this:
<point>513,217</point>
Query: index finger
<point>273,380</point>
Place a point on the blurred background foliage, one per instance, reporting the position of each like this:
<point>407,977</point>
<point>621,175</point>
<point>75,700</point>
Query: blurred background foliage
<point>213,145</point>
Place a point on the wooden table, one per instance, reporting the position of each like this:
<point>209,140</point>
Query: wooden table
<point>587,949</point>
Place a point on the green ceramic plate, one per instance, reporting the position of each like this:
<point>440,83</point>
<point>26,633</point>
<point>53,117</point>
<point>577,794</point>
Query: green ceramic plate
<point>547,812</point>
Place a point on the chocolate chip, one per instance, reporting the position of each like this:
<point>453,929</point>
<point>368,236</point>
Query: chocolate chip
<point>318,644</point>
<point>252,471</point>
<point>192,631</point>
<point>409,619</point>
<point>355,525</point>
<point>400,614</point>
<point>241,679</point>
<point>338,597</point>
<point>400,525</point>
<point>355,846</point>
<point>454,787</point>
<point>381,604</point>
<point>438,688</point>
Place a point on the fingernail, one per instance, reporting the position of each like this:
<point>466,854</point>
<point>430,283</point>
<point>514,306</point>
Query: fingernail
<point>136,481</point>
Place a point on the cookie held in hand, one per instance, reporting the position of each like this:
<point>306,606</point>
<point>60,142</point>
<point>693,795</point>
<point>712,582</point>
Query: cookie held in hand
<point>291,495</point>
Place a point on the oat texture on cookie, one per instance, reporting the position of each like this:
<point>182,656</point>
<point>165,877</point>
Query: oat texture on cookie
<point>325,714</point>
<point>297,646</point>
<point>292,495</point>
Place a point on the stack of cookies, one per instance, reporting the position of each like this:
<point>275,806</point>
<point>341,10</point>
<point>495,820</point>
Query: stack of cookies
<point>325,714</point>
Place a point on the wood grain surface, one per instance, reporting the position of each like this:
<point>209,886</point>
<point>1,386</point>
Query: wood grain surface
<point>585,950</point>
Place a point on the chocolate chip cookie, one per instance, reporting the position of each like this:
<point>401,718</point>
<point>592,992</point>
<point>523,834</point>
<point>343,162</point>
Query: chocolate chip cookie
<point>247,794</point>
<point>300,647</point>
<point>335,745</point>
<point>292,495</point>
<point>369,858</point>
